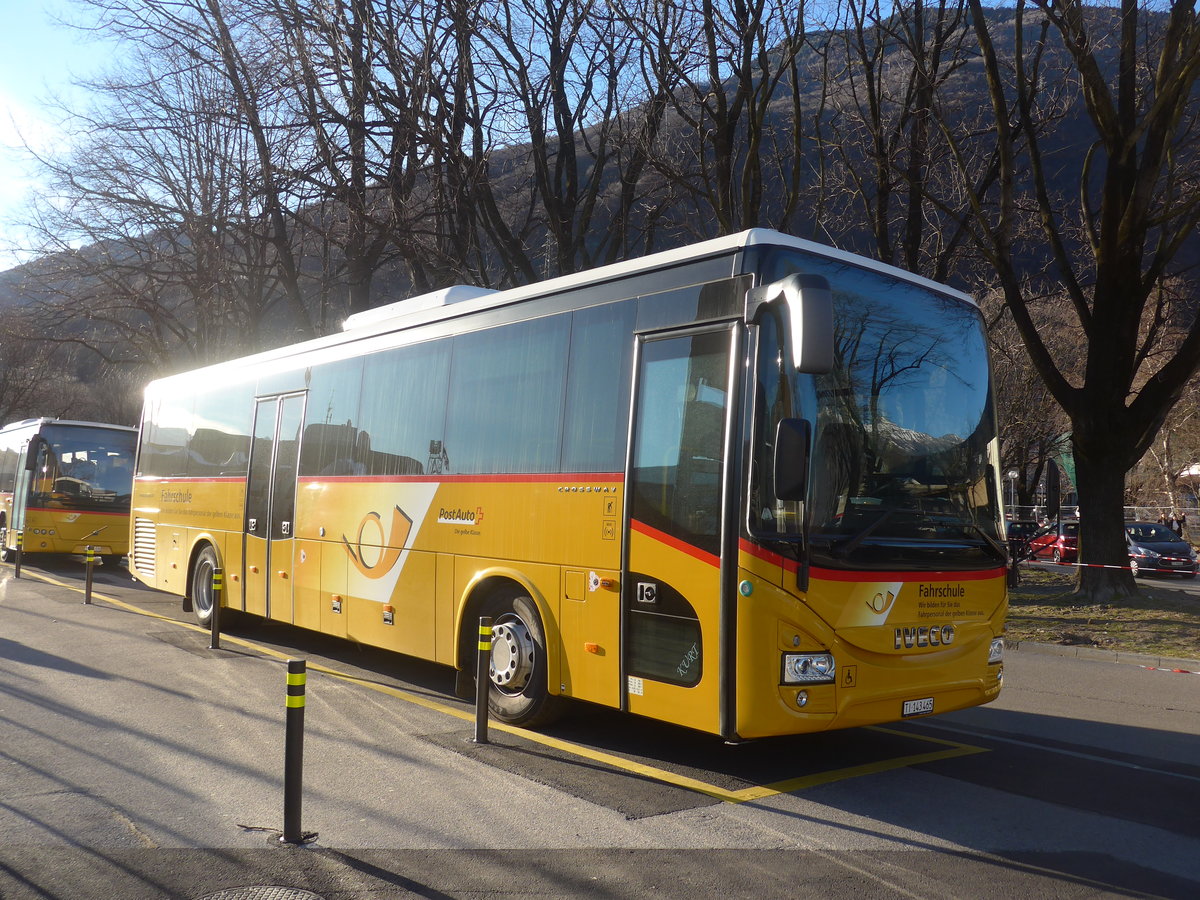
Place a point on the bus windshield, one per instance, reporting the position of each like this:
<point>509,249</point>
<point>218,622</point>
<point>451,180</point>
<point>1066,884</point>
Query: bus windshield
<point>83,468</point>
<point>903,429</point>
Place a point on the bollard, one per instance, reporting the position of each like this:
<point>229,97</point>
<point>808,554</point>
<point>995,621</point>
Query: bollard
<point>17,564</point>
<point>293,752</point>
<point>87,581</point>
<point>1014,574</point>
<point>214,620</point>
<point>483,680</point>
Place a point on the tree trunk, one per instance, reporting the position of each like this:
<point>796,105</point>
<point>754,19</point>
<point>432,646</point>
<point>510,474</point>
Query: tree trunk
<point>1101,487</point>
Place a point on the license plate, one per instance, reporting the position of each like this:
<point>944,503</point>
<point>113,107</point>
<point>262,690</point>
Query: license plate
<point>918,707</point>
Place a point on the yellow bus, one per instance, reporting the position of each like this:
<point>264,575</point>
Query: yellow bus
<point>65,486</point>
<point>749,486</point>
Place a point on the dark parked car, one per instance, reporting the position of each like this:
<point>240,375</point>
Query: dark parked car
<point>1157,550</point>
<point>1019,533</point>
<point>1058,541</point>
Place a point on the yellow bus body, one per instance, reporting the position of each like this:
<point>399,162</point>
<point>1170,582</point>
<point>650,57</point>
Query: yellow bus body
<point>394,565</point>
<point>407,562</point>
<point>51,508</point>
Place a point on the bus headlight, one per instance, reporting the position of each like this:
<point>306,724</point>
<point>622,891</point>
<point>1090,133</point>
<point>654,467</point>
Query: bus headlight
<point>808,668</point>
<point>996,651</point>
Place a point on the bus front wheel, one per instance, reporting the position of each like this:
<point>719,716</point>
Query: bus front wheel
<point>202,585</point>
<point>518,693</point>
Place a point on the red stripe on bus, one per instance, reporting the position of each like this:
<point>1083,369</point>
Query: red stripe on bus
<point>184,479</point>
<point>466,479</point>
<point>866,576</point>
<point>65,509</point>
<point>838,575</point>
<point>567,478</point>
<point>675,543</point>
<point>760,553</point>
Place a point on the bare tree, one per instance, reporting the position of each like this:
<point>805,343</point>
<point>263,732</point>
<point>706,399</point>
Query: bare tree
<point>1134,70</point>
<point>157,191</point>
<point>23,362</point>
<point>561,71</point>
<point>734,93</point>
<point>1032,425</point>
<point>894,72</point>
<point>1162,478</point>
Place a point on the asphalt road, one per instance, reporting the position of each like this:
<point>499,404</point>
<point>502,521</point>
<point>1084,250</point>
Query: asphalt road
<point>137,762</point>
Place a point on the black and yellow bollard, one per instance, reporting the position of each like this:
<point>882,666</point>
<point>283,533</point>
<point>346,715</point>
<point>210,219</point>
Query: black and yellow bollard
<point>293,752</point>
<point>17,564</point>
<point>214,620</point>
<point>483,680</point>
<point>87,579</point>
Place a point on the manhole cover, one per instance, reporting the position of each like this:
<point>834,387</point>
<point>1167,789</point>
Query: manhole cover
<point>263,892</point>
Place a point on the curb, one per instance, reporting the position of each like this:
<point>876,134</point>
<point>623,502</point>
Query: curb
<point>1145,660</point>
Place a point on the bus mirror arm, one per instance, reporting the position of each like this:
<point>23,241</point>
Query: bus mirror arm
<point>792,442</point>
<point>807,303</point>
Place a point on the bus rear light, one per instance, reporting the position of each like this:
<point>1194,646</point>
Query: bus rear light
<point>808,668</point>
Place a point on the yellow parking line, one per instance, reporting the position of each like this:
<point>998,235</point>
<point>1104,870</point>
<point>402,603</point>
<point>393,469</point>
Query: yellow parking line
<point>950,749</point>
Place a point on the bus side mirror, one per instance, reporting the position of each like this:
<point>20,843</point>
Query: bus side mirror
<point>31,455</point>
<point>792,440</point>
<point>808,308</point>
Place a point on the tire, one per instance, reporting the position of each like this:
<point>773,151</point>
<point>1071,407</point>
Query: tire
<point>1057,557</point>
<point>1135,568</point>
<point>201,590</point>
<point>112,560</point>
<point>518,694</point>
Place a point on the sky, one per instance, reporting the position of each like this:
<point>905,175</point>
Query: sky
<point>38,57</point>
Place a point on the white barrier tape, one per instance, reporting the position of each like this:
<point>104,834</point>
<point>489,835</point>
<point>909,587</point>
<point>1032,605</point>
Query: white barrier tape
<point>1177,671</point>
<point>1104,566</point>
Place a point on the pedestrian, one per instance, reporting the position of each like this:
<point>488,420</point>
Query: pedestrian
<point>1180,523</point>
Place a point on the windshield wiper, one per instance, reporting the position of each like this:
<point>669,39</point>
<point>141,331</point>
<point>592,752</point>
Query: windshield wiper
<point>996,547</point>
<point>851,544</point>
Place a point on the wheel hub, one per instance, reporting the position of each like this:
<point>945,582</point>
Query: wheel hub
<point>512,655</point>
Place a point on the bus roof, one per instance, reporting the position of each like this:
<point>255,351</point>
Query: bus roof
<point>44,420</point>
<point>459,300</point>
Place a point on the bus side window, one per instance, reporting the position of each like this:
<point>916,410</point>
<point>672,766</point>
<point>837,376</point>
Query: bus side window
<point>331,420</point>
<point>219,445</point>
<point>403,409</point>
<point>506,398</point>
<point>596,424</point>
<point>773,403</point>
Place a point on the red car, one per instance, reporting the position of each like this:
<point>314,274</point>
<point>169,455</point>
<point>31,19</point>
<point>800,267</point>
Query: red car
<point>1059,541</point>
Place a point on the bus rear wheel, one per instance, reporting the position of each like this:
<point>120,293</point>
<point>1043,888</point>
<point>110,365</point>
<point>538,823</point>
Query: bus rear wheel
<point>518,693</point>
<point>201,593</point>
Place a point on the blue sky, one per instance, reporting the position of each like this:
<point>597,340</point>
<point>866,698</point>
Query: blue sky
<point>37,58</point>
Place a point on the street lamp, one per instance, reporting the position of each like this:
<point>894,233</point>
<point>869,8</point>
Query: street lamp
<point>1012,490</point>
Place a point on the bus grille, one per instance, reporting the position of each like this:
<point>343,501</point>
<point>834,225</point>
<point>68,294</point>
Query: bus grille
<point>144,549</point>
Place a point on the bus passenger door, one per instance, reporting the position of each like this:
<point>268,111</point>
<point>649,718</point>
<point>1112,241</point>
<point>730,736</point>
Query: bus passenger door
<point>271,505</point>
<point>27,462</point>
<point>676,485</point>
